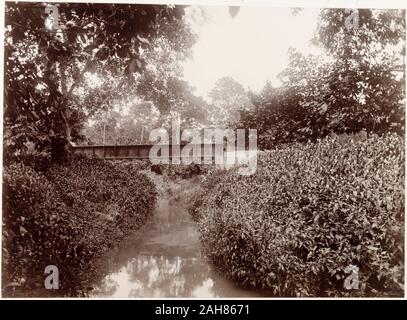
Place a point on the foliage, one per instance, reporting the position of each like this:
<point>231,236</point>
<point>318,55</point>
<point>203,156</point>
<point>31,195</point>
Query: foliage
<point>133,165</point>
<point>183,171</point>
<point>68,216</point>
<point>162,83</point>
<point>173,96</point>
<point>357,83</point>
<point>366,85</point>
<point>50,74</point>
<point>228,98</point>
<point>206,185</point>
<point>113,127</point>
<point>308,212</point>
<point>134,124</point>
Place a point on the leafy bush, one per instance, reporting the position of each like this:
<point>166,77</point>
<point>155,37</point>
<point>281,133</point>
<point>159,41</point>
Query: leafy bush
<point>134,164</point>
<point>182,171</point>
<point>307,213</point>
<point>67,216</point>
<point>197,199</point>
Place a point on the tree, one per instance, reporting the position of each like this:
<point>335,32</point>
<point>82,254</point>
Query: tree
<point>366,83</point>
<point>162,84</point>
<point>124,127</point>
<point>356,84</point>
<point>278,116</point>
<point>103,128</point>
<point>49,90</point>
<point>228,98</point>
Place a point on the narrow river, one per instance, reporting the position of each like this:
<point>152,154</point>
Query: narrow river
<point>163,259</point>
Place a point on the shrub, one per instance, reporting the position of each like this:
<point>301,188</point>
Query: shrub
<point>307,213</point>
<point>182,171</point>
<point>68,216</point>
<point>134,164</point>
<point>197,199</point>
<point>106,192</point>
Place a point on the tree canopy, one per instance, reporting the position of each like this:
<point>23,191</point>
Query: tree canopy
<point>356,84</point>
<point>57,75</point>
<point>228,98</point>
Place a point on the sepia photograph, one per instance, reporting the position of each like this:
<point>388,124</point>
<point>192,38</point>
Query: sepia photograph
<point>203,151</point>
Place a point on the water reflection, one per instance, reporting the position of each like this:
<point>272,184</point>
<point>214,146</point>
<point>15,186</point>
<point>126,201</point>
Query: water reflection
<point>163,259</point>
<point>149,276</point>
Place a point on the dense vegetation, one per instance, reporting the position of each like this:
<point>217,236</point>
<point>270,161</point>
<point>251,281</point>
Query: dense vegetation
<point>308,212</point>
<point>319,201</point>
<point>329,193</point>
<point>59,209</point>
<point>356,83</point>
<point>67,216</point>
<point>98,55</point>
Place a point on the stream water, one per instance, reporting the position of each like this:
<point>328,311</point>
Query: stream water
<point>163,259</point>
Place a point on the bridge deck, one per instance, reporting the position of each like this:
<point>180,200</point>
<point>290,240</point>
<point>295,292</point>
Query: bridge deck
<point>139,151</point>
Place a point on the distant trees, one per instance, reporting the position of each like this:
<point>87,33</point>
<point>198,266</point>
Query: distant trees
<point>357,85</point>
<point>172,95</point>
<point>157,108</point>
<point>159,93</point>
<point>125,127</point>
<point>161,82</point>
<point>228,98</point>
<point>105,54</point>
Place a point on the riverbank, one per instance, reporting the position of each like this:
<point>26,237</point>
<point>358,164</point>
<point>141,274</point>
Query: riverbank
<point>163,258</point>
<point>67,216</point>
<point>310,215</point>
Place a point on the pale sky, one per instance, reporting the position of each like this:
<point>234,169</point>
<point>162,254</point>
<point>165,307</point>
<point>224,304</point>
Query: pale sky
<point>251,48</point>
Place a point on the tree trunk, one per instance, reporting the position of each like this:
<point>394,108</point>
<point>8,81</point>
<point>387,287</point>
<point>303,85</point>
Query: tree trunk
<point>59,149</point>
<point>142,134</point>
<point>60,144</point>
